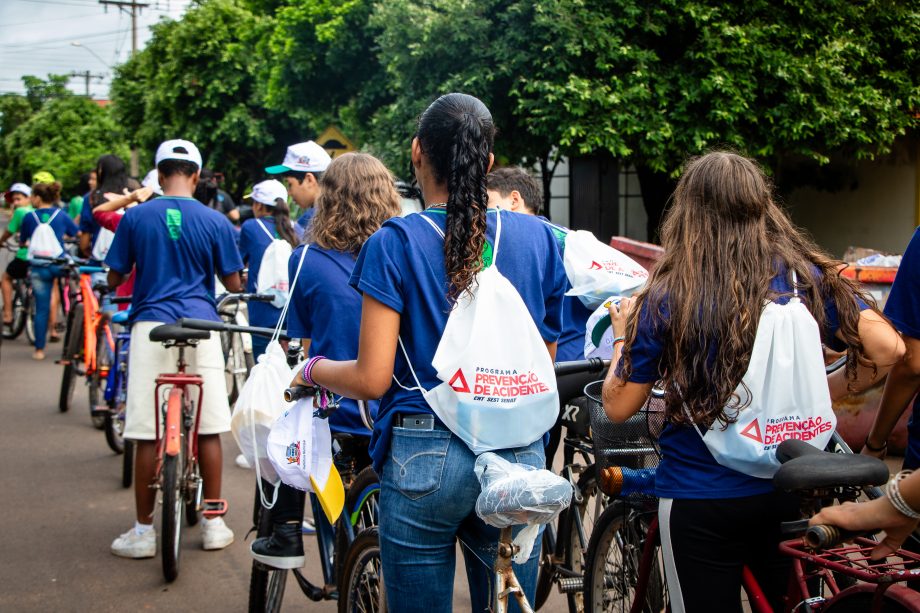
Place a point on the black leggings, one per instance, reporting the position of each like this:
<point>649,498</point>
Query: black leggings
<point>707,543</point>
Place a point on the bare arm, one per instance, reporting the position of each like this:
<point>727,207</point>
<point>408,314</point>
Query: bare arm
<point>369,376</point>
<point>232,283</point>
<point>85,246</point>
<point>5,236</point>
<point>901,386</point>
<point>120,202</point>
<point>881,343</point>
<point>622,399</point>
<point>115,278</point>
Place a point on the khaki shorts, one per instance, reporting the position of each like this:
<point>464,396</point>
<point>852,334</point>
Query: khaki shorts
<point>147,360</point>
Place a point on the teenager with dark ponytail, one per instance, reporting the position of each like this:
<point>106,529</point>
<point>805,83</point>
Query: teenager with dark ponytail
<point>412,273</point>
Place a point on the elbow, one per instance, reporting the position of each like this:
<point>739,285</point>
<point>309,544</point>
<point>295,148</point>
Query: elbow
<point>612,407</point>
<point>375,389</point>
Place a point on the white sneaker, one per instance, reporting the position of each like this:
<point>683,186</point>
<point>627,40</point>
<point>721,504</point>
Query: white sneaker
<point>215,534</point>
<point>242,462</point>
<point>137,546</point>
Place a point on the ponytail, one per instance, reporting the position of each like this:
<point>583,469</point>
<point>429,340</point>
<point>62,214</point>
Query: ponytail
<point>282,217</point>
<point>49,193</point>
<point>456,135</point>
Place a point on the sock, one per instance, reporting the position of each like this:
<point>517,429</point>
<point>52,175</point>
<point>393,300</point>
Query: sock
<point>141,529</point>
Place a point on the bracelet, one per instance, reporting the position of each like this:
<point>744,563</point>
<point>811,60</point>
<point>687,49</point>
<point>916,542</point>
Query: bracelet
<point>894,496</point>
<point>619,339</point>
<point>875,449</point>
<point>308,369</point>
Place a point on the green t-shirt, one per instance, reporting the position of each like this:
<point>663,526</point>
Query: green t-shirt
<point>15,224</point>
<point>75,207</point>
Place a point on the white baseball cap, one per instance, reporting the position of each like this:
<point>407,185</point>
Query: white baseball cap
<point>152,180</point>
<point>267,192</point>
<point>302,157</point>
<point>178,149</point>
<point>22,188</point>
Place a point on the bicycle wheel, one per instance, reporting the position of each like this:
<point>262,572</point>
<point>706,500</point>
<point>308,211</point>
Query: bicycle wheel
<point>97,381</point>
<point>192,508</point>
<point>613,560</point>
<point>237,363</point>
<point>361,587</point>
<point>30,320</point>
<point>115,428</point>
<point>73,343</point>
<point>127,464</point>
<point>173,498</point>
<point>859,599</point>
<point>361,510</point>
<point>576,525</point>
<point>21,306</point>
<point>266,585</point>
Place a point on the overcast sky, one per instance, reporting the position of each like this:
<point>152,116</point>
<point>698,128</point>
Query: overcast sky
<point>36,37</point>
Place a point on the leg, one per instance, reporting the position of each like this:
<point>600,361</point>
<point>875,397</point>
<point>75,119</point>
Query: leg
<point>210,459</point>
<point>145,497</point>
<point>284,548</point>
<point>6,285</point>
<point>42,284</point>
<point>55,308</point>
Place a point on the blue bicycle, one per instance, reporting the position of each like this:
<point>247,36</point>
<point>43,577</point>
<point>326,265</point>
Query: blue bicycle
<point>116,394</point>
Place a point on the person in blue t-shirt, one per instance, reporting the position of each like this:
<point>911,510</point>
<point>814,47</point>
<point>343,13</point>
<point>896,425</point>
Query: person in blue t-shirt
<point>302,171</point>
<point>358,196</point>
<point>44,197</point>
<point>111,180</point>
<point>728,248</point>
<point>410,278</point>
<point>272,221</point>
<point>176,246</point>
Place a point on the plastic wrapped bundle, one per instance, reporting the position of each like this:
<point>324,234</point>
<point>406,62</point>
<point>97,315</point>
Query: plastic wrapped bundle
<point>516,494</point>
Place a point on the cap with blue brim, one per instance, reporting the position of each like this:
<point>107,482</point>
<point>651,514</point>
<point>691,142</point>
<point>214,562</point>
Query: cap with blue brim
<point>302,157</point>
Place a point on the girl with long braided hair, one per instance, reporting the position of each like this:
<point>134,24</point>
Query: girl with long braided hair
<point>411,278</point>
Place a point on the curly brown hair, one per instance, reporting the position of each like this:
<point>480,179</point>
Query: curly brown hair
<point>724,240</point>
<point>358,196</point>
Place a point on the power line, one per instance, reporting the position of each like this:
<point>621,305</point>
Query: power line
<point>66,40</point>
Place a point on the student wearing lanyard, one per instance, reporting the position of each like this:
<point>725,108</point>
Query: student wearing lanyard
<point>272,221</point>
<point>44,196</point>
<point>178,245</point>
<point>410,278</point>
<point>728,249</point>
<point>358,196</point>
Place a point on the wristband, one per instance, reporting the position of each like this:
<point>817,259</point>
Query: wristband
<point>875,449</point>
<point>897,501</point>
<point>308,369</point>
<point>619,339</point>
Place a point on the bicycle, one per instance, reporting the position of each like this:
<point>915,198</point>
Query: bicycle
<point>237,350</point>
<point>23,306</point>
<point>178,476</point>
<point>116,394</point>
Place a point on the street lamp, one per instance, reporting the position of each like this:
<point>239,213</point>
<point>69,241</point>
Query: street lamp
<point>77,43</point>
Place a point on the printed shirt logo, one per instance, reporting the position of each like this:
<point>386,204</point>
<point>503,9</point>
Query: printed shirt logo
<point>174,223</point>
<point>293,453</point>
<point>752,431</point>
<point>462,387</point>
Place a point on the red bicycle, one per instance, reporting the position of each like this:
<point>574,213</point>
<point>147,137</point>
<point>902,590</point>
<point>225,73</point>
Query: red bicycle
<point>178,475</point>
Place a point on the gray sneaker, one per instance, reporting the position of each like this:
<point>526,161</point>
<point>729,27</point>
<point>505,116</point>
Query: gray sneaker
<point>134,545</point>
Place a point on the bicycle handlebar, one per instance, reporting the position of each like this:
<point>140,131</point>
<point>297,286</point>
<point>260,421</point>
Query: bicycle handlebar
<point>297,392</point>
<point>122,299</point>
<point>218,326</point>
<point>580,366</point>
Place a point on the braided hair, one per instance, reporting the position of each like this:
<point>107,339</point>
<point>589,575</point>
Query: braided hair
<point>456,134</point>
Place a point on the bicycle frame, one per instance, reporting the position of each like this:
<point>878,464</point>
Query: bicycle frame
<point>170,441</point>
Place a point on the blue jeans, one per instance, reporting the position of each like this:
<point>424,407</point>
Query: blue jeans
<point>42,285</point>
<point>427,499</point>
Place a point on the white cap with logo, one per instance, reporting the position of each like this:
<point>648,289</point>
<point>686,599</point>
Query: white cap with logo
<point>302,157</point>
<point>178,149</point>
<point>267,192</point>
<point>21,188</point>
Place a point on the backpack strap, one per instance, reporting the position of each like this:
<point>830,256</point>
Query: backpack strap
<point>293,284</point>
<point>412,370</point>
<point>498,232</point>
<point>37,220</point>
<point>53,215</point>
<point>264,229</point>
<point>434,225</point>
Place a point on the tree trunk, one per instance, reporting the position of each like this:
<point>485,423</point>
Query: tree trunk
<point>546,175</point>
<point>657,188</point>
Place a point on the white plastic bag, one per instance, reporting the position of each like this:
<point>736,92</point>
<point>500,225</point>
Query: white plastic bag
<point>259,404</point>
<point>103,242</point>
<point>597,271</point>
<point>300,446</point>
<point>599,331</point>
<point>273,271</point>
<point>788,394</point>
<point>516,494</point>
<point>44,242</point>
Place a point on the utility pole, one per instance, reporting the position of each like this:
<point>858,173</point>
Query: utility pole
<point>132,8</point>
<point>86,75</point>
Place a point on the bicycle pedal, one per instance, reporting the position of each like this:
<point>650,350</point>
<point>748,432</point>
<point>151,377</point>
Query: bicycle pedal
<point>571,585</point>
<point>214,507</point>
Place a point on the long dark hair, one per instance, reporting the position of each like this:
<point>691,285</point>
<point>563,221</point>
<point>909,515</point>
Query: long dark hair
<point>282,216</point>
<point>456,134</point>
<point>111,176</point>
<point>724,241</point>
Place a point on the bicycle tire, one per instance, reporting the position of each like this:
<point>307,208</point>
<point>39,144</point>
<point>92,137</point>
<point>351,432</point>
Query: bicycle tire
<point>361,587</point>
<point>859,599</point>
<point>173,498</point>
<point>574,552</point>
<point>192,510</point>
<point>73,343</point>
<point>362,502</point>
<point>97,381</point>
<point>546,570</point>
<point>115,429</point>
<point>20,311</point>
<point>30,322</point>
<point>127,464</point>
<point>611,586</point>
<point>266,585</point>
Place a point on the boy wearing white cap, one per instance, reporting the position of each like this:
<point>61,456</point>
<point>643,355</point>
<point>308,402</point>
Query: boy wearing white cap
<point>272,221</point>
<point>18,197</point>
<point>302,170</point>
<point>177,246</point>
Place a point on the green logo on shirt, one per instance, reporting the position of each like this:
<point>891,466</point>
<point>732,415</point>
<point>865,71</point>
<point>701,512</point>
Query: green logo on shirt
<point>174,223</point>
<point>486,254</point>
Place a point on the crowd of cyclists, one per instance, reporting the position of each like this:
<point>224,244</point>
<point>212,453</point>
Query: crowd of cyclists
<point>373,293</point>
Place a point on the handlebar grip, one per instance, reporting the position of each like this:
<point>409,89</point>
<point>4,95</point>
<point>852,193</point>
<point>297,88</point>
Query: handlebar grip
<point>260,297</point>
<point>88,270</point>
<point>580,366</point>
<point>824,536</point>
<point>296,393</point>
<point>622,481</point>
<point>122,299</point>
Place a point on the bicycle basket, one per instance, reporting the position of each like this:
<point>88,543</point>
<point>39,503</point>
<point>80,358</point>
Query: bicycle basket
<point>634,443</point>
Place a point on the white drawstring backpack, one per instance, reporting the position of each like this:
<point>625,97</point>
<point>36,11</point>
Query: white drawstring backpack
<point>44,242</point>
<point>498,387</point>
<point>273,271</point>
<point>787,388</point>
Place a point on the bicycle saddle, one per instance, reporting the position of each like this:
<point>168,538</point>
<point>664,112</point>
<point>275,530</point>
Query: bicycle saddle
<point>170,332</point>
<point>805,467</point>
<point>517,494</point>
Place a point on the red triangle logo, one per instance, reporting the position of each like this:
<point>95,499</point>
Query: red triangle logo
<point>752,431</point>
<point>462,386</point>
<point>595,266</point>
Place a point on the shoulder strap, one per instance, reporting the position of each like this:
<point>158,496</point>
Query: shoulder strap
<point>53,215</point>
<point>498,232</point>
<point>264,229</point>
<point>37,220</point>
<point>412,370</point>
<point>291,287</point>
<point>433,225</point>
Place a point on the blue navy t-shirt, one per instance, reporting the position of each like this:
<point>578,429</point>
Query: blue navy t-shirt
<point>303,222</point>
<point>62,224</point>
<point>178,246</point>
<point>88,225</point>
<point>253,243</point>
<point>903,309</point>
<point>687,469</point>
<point>574,313</point>
<point>402,266</point>
<point>326,310</point>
